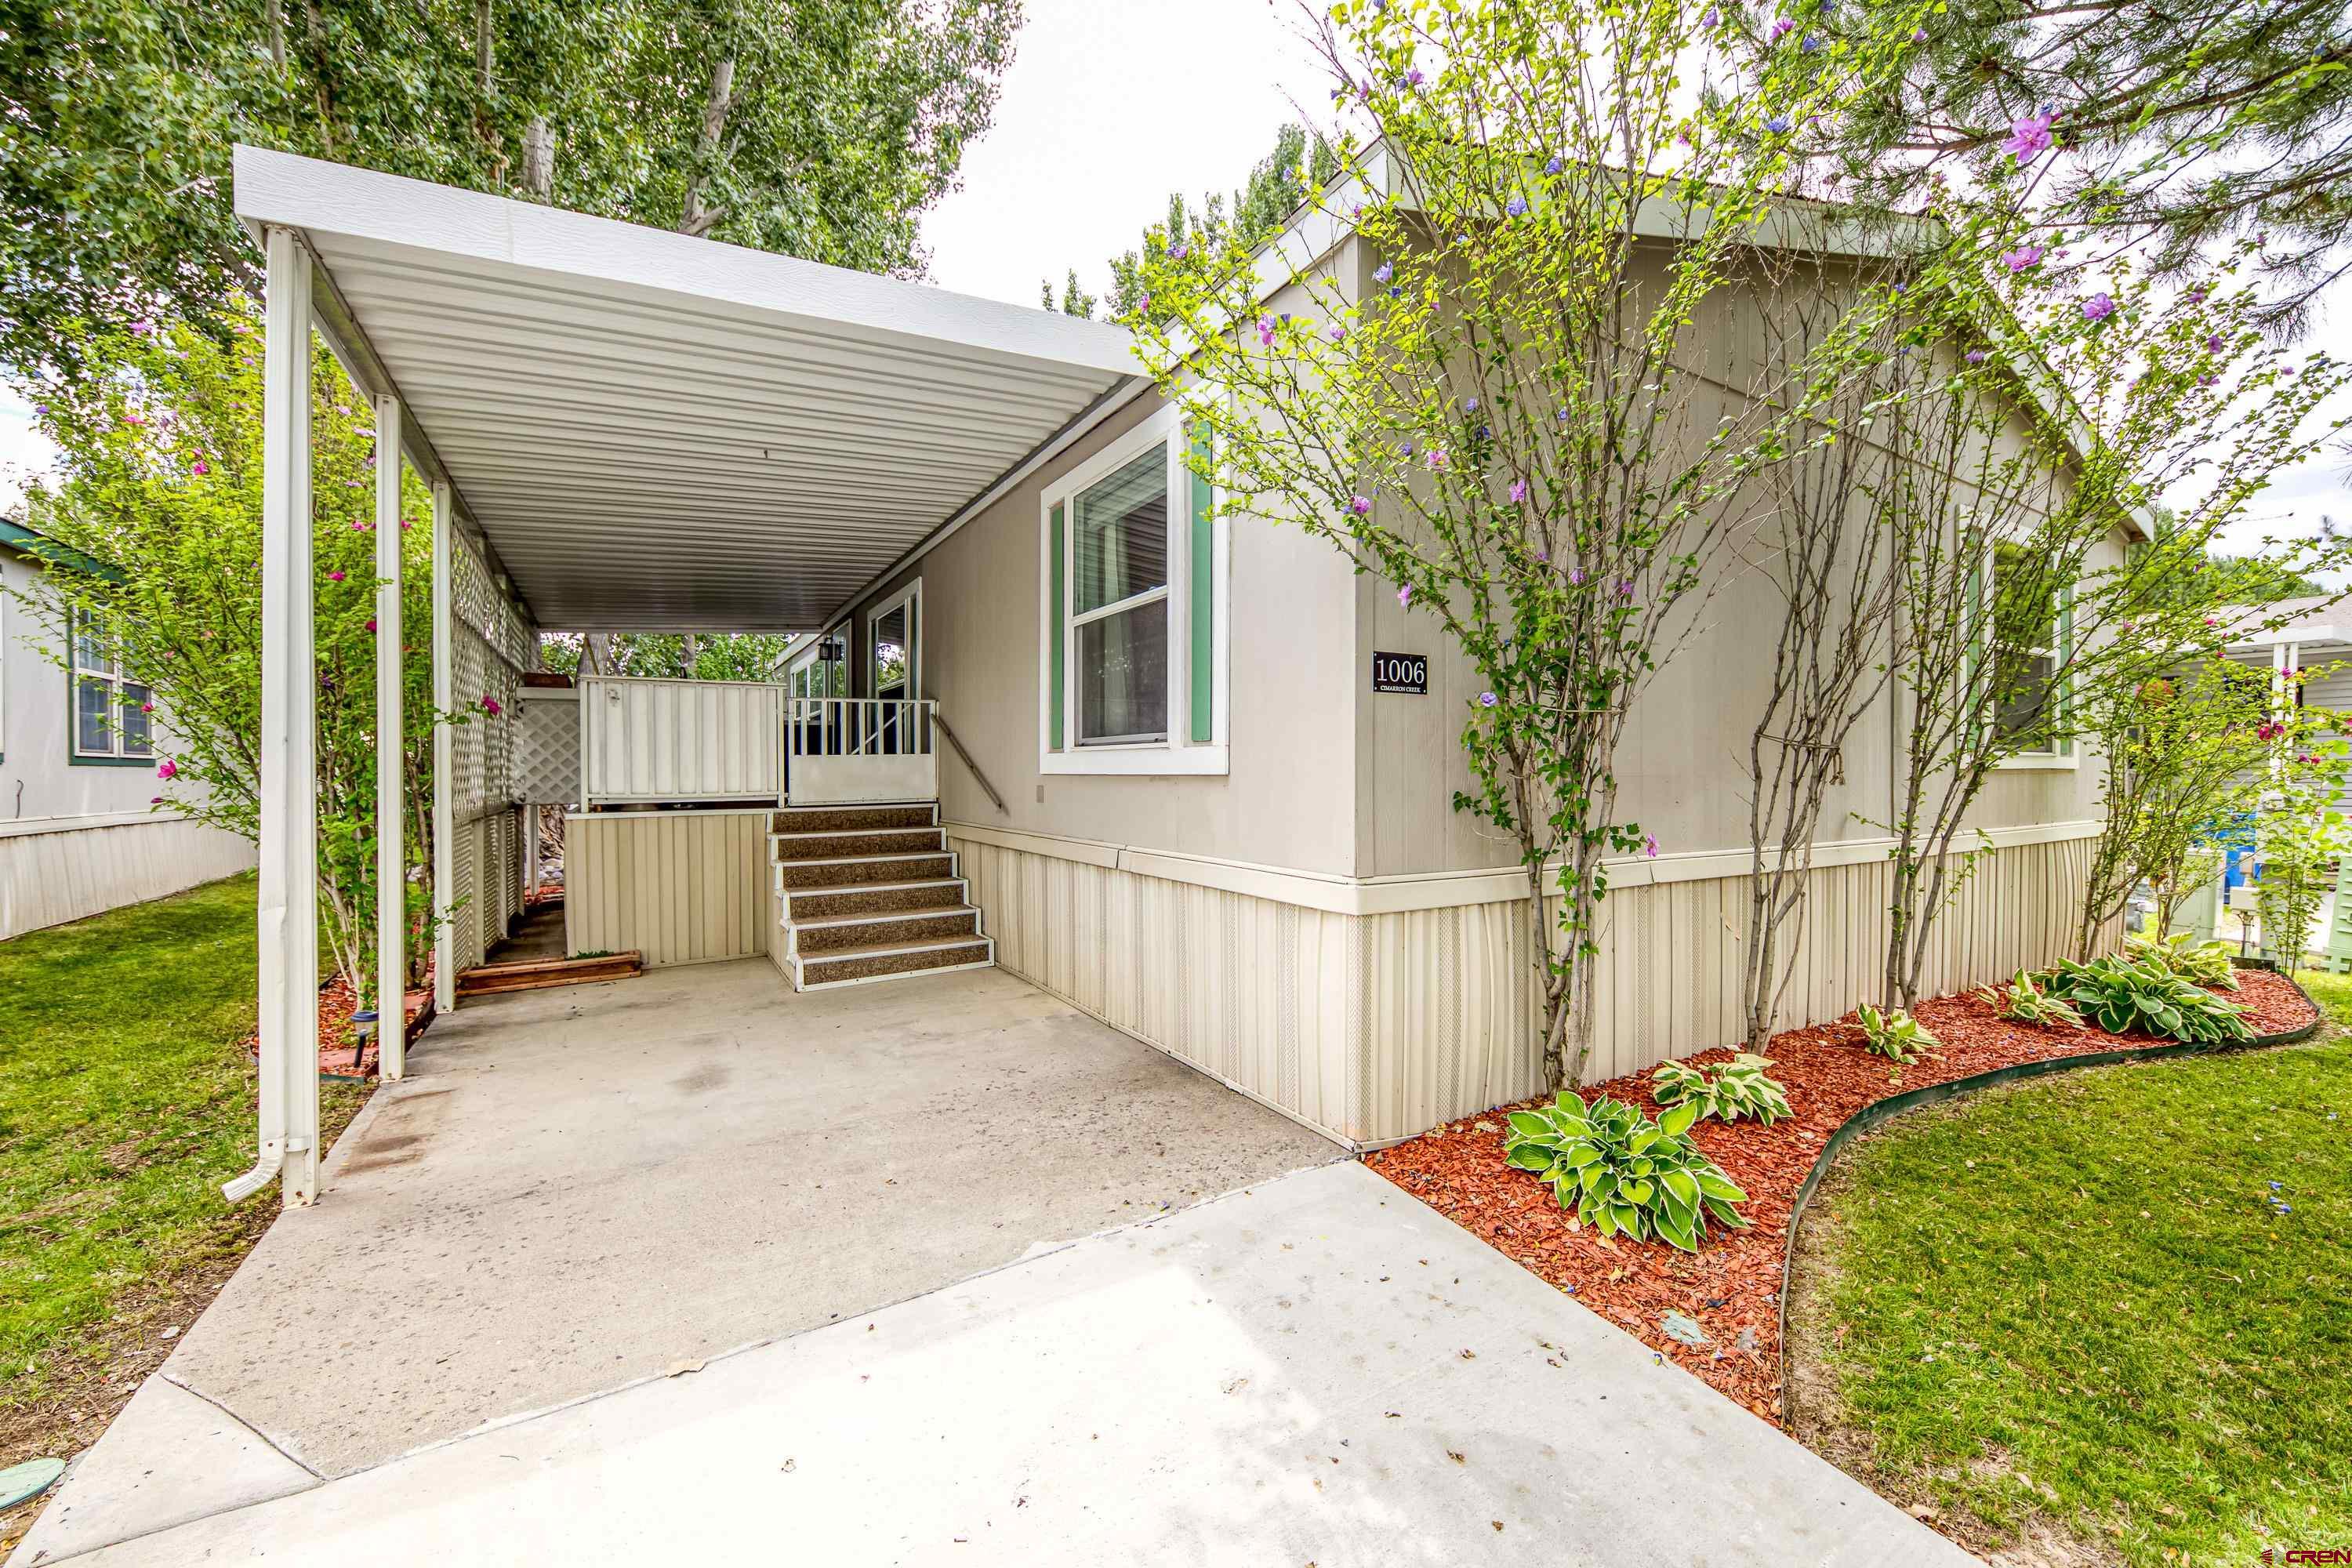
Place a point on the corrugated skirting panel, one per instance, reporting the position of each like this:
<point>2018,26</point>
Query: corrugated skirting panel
<point>48,878</point>
<point>680,887</point>
<point>1379,1027</point>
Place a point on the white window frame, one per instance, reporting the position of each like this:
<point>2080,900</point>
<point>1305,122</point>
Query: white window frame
<point>76,673</point>
<point>911,599</point>
<point>805,657</point>
<point>1178,754</point>
<point>2065,756</point>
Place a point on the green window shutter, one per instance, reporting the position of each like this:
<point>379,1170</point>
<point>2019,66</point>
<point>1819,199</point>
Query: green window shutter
<point>1204,594</point>
<point>1057,628</point>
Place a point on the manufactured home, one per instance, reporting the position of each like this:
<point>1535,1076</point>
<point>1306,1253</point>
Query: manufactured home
<point>81,829</point>
<point>1051,714</point>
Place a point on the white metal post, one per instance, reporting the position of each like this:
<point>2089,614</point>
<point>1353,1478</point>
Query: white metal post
<point>391,793</point>
<point>445,829</point>
<point>290,809</point>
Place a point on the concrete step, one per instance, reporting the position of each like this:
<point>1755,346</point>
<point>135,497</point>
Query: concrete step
<point>875,899</point>
<point>794,875</point>
<point>853,818</point>
<point>811,938</point>
<point>883,960</point>
<point>832,846</point>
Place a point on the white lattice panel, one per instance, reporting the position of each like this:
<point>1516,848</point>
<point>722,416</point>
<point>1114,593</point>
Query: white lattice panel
<point>547,746</point>
<point>489,643</point>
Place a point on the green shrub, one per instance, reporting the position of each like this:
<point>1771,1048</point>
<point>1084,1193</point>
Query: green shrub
<point>2206,963</point>
<point>1624,1173</point>
<point>2025,1001</point>
<point>1727,1091</point>
<point>1895,1034</point>
<point>2123,997</point>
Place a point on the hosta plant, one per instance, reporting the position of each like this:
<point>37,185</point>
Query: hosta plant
<point>1895,1034</point>
<point>2206,963</point>
<point>2025,1000</point>
<point>1624,1173</point>
<point>2123,997</point>
<point>1726,1091</point>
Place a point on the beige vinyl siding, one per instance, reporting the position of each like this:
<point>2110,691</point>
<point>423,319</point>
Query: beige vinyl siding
<point>1377,1026</point>
<point>679,887</point>
<point>67,868</point>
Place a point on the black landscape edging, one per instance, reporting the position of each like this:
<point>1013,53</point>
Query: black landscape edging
<point>1882,1111</point>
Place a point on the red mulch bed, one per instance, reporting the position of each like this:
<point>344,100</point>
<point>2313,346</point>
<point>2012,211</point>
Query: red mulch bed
<point>335,1009</point>
<point>1732,1287</point>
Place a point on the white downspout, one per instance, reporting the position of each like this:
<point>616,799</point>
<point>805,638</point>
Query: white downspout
<point>391,793</point>
<point>288,902</point>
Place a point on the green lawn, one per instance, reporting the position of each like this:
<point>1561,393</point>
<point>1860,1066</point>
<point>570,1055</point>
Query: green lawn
<point>2075,1303</point>
<point>125,1100</point>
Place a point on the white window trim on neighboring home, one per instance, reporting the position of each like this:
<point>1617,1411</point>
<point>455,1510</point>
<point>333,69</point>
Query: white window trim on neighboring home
<point>118,753</point>
<point>805,657</point>
<point>1179,755</point>
<point>910,598</point>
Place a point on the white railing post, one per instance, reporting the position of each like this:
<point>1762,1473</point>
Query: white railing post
<point>391,787</point>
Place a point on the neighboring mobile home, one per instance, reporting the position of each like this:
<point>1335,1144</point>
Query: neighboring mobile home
<point>79,831</point>
<point>1057,715</point>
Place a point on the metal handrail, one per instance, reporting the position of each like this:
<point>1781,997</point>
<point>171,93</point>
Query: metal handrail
<point>938,719</point>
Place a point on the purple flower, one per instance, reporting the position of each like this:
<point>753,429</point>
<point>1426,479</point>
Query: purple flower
<point>1976,356</point>
<point>1778,125</point>
<point>1486,700</point>
<point>1404,597</point>
<point>2195,296</point>
<point>1266,330</point>
<point>142,328</point>
<point>1713,19</point>
<point>1178,252</point>
<point>1383,273</point>
<point>1469,406</point>
<point>1576,576</point>
<point>2098,307</point>
<point>1918,35</point>
<point>1338,334</point>
<point>1624,587</point>
<point>2213,343</point>
<point>1520,490</point>
<point>1810,44</point>
<point>2028,136</point>
<point>1404,448</point>
<point>2018,260</point>
<point>2207,380</point>
<point>1360,505</point>
<point>1650,845</point>
<point>1782,27</point>
<point>1412,78</point>
<point>1516,206</point>
<point>1554,164</point>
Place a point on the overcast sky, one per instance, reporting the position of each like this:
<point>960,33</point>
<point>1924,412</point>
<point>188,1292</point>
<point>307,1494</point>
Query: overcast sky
<point>1109,106</point>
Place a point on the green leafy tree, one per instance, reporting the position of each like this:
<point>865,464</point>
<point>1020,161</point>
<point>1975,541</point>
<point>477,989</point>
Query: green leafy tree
<point>816,128</point>
<point>2303,832</point>
<point>1299,164</point>
<point>155,515</point>
<point>674,656</point>
<point>1519,419</point>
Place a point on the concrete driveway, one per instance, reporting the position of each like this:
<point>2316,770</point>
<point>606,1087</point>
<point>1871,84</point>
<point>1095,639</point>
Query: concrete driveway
<point>1314,1370</point>
<point>611,1281</point>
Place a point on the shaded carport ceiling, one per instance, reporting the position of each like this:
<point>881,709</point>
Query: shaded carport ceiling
<point>656,432</point>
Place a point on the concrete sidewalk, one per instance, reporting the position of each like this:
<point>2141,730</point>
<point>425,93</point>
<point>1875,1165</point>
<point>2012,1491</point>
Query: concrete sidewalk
<point>1316,1370</point>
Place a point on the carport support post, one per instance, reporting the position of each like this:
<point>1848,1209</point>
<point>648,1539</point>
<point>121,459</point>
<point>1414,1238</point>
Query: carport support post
<point>445,756</point>
<point>289,799</point>
<point>391,752</point>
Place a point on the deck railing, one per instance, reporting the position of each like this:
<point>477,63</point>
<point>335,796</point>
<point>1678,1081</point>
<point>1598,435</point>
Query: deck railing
<point>839,749</point>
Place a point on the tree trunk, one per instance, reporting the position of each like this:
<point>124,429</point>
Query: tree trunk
<point>698,219</point>
<point>539,159</point>
<point>277,32</point>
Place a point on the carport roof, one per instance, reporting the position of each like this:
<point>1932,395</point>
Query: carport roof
<point>657,432</point>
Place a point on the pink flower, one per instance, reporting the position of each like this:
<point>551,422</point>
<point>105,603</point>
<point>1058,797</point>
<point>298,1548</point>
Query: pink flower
<point>1360,505</point>
<point>334,577</point>
<point>1650,845</point>
<point>1436,457</point>
<point>167,769</point>
<point>146,708</point>
<point>2028,136</point>
<point>1266,330</point>
<point>1520,490</point>
<point>489,704</point>
<point>2098,307</point>
<point>1576,576</point>
<point>142,329</point>
<point>357,525</point>
<point>2018,260</point>
<point>154,800</point>
<point>1782,27</point>
<point>1404,597</point>
<point>200,467</point>
<point>133,421</point>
